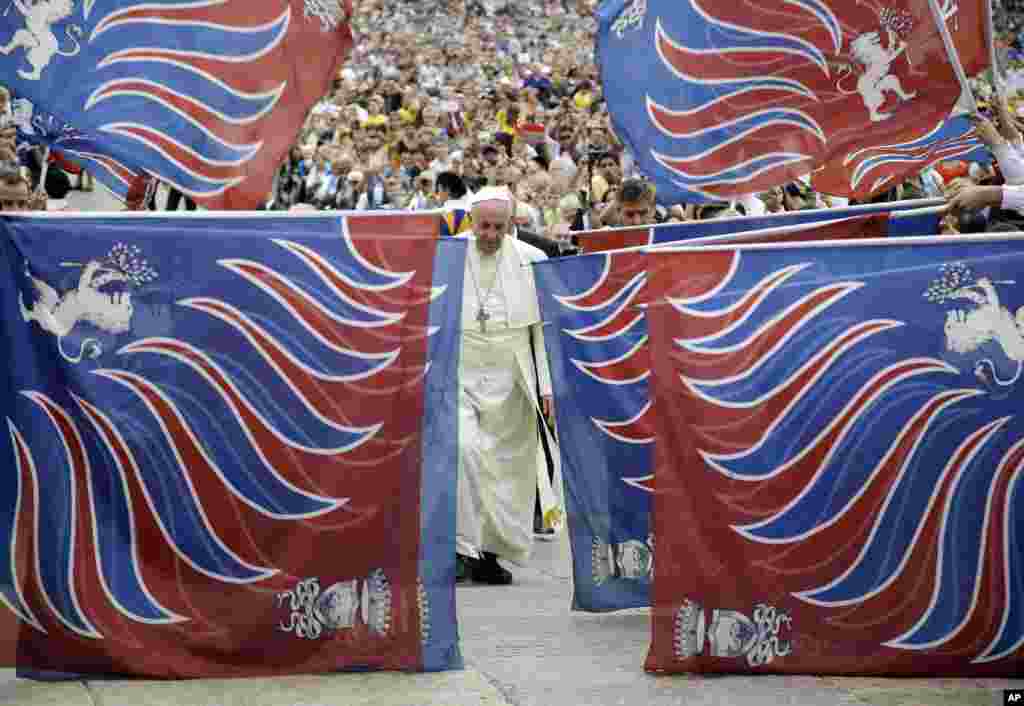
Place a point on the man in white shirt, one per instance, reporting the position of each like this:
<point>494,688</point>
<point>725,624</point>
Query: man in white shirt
<point>500,457</point>
<point>1004,142</point>
<point>316,172</point>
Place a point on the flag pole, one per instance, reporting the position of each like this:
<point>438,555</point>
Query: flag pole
<point>993,57</point>
<point>954,57</point>
<point>41,186</point>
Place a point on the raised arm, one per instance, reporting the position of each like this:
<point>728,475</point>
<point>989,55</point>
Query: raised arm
<point>1007,125</point>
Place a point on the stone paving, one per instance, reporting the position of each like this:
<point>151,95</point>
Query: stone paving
<point>524,647</point>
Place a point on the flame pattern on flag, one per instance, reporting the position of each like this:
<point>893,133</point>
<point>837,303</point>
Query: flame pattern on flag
<point>740,97</point>
<point>200,435</point>
<point>735,110</point>
<point>609,336</point>
<point>882,166</point>
<point>195,93</point>
<point>870,478</point>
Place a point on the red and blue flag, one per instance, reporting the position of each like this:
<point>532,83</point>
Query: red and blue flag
<point>227,444</point>
<point>839,457</point>
<point>206,96</point>
<point>717,100</point>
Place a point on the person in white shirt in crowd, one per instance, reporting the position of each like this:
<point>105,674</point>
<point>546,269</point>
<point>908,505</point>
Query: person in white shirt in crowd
<point>316,172</point>
<point>1007,146</point>
<point>1004,140</point>
<point>357,188</point>
<point>423,187</point>
<point>334,170</point>
<point>932,183</point>
<point>374,196</point>
<point>752,206</point>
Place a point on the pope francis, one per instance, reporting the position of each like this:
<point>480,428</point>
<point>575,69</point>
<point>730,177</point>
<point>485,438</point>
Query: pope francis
<point>499,449</point>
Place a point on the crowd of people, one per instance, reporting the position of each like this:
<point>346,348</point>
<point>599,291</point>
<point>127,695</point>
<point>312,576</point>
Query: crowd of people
<point>496,93</point>
<point>16,188</point>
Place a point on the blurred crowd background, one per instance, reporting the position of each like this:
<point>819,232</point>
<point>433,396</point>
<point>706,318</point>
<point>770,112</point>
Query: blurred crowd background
<point>439,99</point>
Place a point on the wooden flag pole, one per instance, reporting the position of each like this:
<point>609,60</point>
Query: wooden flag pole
<point>990,36</point>
<point>41,186</point>
<point>954,57</point>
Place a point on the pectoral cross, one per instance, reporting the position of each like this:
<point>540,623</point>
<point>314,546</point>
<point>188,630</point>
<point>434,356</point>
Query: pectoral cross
<point>483,317</point>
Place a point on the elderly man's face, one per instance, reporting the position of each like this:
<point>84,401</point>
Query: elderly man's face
<point>491,222</point>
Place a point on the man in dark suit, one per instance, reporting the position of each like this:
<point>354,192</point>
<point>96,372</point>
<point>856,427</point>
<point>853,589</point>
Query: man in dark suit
<point>548,246</point>
<point>543,243</point>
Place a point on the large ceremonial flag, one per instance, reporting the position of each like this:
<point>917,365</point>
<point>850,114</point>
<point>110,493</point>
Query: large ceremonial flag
<point>720,99</point>
<point>596,340</point>
<point>597,344</point>
<point>228,444</point>
<point>884,219</point>
<point>206,96</point>
<point>839,457</point>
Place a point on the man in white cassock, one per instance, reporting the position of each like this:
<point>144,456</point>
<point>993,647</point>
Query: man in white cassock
<point>499,442</point>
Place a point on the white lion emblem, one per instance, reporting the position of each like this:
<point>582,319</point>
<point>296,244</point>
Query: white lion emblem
<point>111,312</point>
<point>966,331</point>
<point>875,79</point>
<point>38,38</point>
<point>60,314</point>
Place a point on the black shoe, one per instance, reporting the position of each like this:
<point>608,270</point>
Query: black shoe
<point>544,534</point>
<point>464,568</point>
<point>489,571</point>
